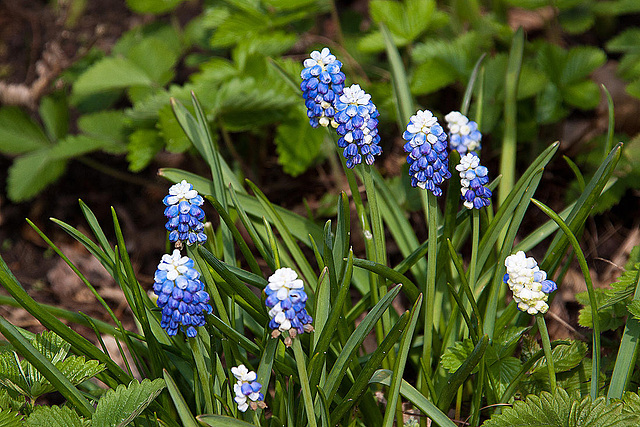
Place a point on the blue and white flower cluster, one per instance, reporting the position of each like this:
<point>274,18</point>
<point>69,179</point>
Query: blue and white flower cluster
<point>428,157</point>
<point>322,84</point>
<point>357,122</point>
<point>185,214</point>
<point>247,389</point>
<point>528,283</point>
<point>181,294</point>
<point>473,178</point>
<point>464,135</point>
<point>286,301</point>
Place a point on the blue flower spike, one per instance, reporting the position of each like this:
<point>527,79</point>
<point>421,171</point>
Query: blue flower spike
<point>473,181</point>
<point>357,122</point>
<point>464,135</point>
<point>181,294</point>
<point>428,157</point>
<point>183,209</point>
<point>322,84</point>
<point>247,389</point>
<point>286,301</point>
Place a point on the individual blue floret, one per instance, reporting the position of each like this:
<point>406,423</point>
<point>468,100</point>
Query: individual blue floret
<point>473,181</point>
<point>428,157</point>
<point>357,122</point>
<point>185,214</point>
<point>181,294</point>
<point>464,135</point>
<point>322,84</point>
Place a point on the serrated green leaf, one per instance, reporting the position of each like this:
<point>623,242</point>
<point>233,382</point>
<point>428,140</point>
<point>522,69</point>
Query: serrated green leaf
<point>298,145</point>
<point>584,95</point>
<point>633,88</point>
<point>144,144</point>
<point>407,19</point>
<point>631,402</point>
<point>10,419</point>
<point>110,73</point>
<point>455,356</point>
<point>565,358</point>
<point>31,173</point>
<point>577,20</point>
<point>121,406</point>
<point>11,374</point>
<point>155,58</point>
<point>75,368</point>
<point>55,416</point>
<point>174,137</point>
<point>108,126</point>
<point>610,317</point>
<point>561,411</point>
<point>431,76</point>
<point>634,309</point>
<point>153,6</point>
<point>51,346</point>
<point>73,146</point>
<point>18,133</point>
<point>580,62</point>
<point>238,26</point>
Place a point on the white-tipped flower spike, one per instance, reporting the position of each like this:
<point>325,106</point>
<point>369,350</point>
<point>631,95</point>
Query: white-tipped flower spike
<point>428,157</point>
<point>322,85</point>
<point>247,389</point>
<point>184,214</point>
<point>473,179</point>
<point>286,301</point>
<point>464,135</point>
<point>528,283</point>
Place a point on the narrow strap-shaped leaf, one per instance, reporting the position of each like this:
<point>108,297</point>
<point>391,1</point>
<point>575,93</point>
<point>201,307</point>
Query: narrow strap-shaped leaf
<point>96,229</point>
<point>249,300</point>
<point>459,376</point>
<point>468,92</point>
<point>410,289</point>
<point>222,421</point>
<point>457,262</point>
<point>105,260</point>
<point>285,234</point>
<point>473,330</point>
<point>266,362</point>
<point>322,307</point>
<point>46,368</point>
<point>383,376</point>
<point>400,363</point>
<point>404,100</point>
<point>343,236</point>
<point>627,352</point>
<point>355,341</point>
<point>80,344</point>
<point>244,248</point>
<point>178,400</point>
<point>595,318</point>
<point>362,381</point>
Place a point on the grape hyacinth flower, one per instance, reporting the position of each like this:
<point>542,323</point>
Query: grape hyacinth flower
<point>322,83</point>
<point>528,283</point>
<point>286,301</point>
<point>357,122</point>
<point>247,389</point>
<point>181,294</point>
<point>185,214</point>
<point>473,179</point>
<point>428,158</point>
<point>464,135</point>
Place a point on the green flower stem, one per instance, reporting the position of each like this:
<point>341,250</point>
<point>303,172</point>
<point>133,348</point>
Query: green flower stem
<point>477,394</point>
<point>432,212</point>
<point>304,382</point>
<point>379,255</point>
<point>475,239</point>
<point>546,346</point>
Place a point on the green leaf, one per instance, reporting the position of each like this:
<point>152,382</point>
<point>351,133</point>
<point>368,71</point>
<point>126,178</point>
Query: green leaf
<point>174,137</point>
<point>406,19</point>
<point>155,58</point>
<point>584,95</point>
<point>611,317</point>
<point>562,411</point>
<point>431,76</point>
<point>298,145</point>
<point>18,133</point>
<point>143,146</point>
<point>178,400</point>
<point>565,358</point>
<point>221,421</point>
<point>121,406</point>
<point>108,126</point>
<point>626,41</point>
<point>31,173</point>
<point>54,113</point>
<point>153,6</point>
<point>110,73</point>
<point>580,62</point>
<point>453,357</point>
<point>10,419</point>
<point>54,416</point>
